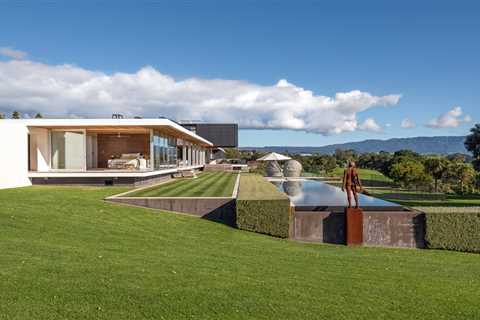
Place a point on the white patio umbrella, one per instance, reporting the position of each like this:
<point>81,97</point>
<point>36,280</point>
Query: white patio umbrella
<point>273,156</point>
<point>274,169</point>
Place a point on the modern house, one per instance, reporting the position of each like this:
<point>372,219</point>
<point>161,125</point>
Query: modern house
<point>97,151</point>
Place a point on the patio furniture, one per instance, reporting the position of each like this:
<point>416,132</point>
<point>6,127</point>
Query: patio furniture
<point>128,161</point>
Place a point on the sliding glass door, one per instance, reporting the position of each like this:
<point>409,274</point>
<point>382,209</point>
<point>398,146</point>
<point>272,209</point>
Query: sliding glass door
<point>164,151</point>
<point>68,150</point>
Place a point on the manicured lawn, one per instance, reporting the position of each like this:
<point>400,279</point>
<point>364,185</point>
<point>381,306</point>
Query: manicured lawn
<point>254,186</point>
<point>66,254</point>
<point>207,184</point>
<point>424,199</point>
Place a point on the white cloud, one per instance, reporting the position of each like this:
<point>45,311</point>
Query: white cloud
<point>449,119</point>
<point>66,90</point>
<point>12,53</point>
<point>408,124</point>
<point>370,125</point>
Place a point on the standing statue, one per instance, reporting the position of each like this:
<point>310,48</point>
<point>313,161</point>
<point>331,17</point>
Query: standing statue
<point>351,183</point>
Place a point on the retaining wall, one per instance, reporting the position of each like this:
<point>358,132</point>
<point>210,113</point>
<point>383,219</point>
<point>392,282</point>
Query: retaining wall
<point>380,228</point>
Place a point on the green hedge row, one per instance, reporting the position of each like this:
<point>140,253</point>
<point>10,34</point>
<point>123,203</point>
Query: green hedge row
<point>453,231</point>
<point>261,207</point>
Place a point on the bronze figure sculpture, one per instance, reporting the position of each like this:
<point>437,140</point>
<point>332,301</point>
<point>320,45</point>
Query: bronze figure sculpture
<point>351,183</point>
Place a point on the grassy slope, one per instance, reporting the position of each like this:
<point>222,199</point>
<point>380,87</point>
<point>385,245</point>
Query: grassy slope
<point>66,254</point>
<point>253,186</point>
<point>365,174</point>
<point>208,184</point>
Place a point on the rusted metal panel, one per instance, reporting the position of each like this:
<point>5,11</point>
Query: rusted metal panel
<point>388,228</point>
<point>394,229</point>
<point>354,226</point>
<point>319,226</point>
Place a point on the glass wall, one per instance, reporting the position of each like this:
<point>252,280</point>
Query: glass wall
<point>68,150</point>
<point>164,151</point>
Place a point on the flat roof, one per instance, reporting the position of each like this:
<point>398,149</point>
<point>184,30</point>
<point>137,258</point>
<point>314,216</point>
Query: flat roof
<point>170,125</point>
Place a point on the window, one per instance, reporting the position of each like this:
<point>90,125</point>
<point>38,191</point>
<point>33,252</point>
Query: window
<point>164,151</point>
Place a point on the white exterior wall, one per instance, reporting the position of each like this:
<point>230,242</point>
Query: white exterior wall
<point>14,158</point>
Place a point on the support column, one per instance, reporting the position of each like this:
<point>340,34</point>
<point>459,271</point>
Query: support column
<point>184,153</point>
<point>189,154</point>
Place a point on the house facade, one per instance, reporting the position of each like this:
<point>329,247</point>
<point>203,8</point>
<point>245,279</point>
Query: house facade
<point>97,151</point>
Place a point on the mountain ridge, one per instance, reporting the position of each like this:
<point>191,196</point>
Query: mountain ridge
<point>423,145</point>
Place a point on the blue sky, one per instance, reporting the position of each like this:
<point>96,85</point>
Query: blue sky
<point>426,51</point>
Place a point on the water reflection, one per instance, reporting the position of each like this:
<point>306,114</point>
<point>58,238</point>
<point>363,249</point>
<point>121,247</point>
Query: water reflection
<point>317,193</point>
<point>292,188</point>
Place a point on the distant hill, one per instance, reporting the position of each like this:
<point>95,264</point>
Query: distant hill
<point>422,145</point>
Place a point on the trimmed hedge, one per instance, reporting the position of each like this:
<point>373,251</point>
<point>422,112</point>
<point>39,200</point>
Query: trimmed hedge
<point>453,231</point>
<point>261,207</point>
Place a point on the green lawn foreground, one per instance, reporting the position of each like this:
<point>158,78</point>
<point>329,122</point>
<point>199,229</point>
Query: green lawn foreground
<point>66,254</point>
<point>207,184</point>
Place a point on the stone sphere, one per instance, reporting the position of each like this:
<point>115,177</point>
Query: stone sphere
<point>273,169</point>
<point>292,169</point>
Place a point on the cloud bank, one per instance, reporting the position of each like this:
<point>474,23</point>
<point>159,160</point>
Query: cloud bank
<point>12,53</point>
<point>450,119</point>
<point>67,90</point>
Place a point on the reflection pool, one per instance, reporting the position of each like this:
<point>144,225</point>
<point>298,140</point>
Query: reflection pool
<point>304,192</point>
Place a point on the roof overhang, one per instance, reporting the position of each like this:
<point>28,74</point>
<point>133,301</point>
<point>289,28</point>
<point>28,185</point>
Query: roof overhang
<point>164,125</point>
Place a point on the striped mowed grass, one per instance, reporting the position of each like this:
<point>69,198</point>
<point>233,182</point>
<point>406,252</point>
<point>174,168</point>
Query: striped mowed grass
<point>207,184</point>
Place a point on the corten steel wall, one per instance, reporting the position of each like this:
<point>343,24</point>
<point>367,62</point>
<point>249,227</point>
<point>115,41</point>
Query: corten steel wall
<point>220,134</point>
<point>319,226</point>
<point>398,229</point>
<point>380,228</point>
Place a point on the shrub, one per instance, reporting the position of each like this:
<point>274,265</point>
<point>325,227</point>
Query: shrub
<point>453,231</point>
<point>261,207</point>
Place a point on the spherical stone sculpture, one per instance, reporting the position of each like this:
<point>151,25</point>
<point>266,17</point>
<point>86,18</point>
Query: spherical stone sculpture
<point>292,169</point>
<point>273,169</point>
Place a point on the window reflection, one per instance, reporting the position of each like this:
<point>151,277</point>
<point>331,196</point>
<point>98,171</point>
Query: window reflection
<point>164,151</point>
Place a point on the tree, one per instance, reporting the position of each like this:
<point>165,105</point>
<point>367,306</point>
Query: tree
<point>2,116</point>
<point>329,163</point>
<point>15,115</point>
<point>343,156</point>
<point>437,167</point>
<point>472,144</point>
<point>457,157</point>
<point>462,174</point>
<point>232,153</point>
<point>38,116</point>
<point>409,172</point>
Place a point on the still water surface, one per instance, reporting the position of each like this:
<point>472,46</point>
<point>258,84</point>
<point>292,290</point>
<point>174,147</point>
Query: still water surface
<point>316,193</point>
